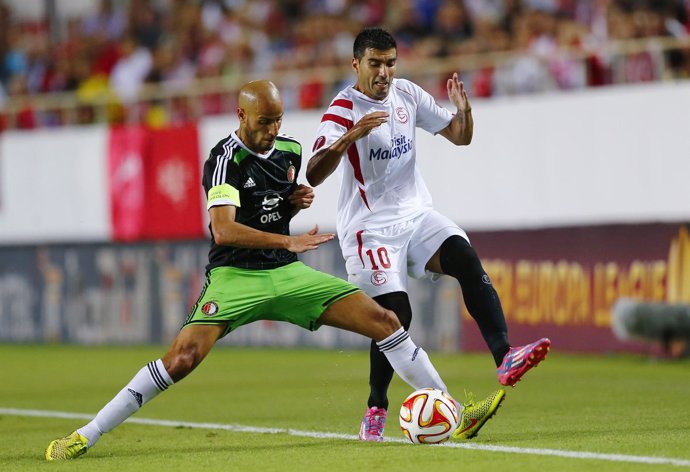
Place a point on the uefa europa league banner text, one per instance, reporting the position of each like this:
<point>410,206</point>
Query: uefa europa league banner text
<point>566,281</point>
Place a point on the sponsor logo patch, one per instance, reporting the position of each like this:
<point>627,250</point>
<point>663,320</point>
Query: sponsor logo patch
<point>249,183</point>
<point>138,397</point>
<point>271,201</point>
<point>320,141</point>
<point>414,354</point>
<point>209,308</point>
<point>379,278</point>
<point>400,145</point>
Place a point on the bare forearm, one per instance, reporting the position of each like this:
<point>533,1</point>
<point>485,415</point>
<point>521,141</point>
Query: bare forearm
<point>461,128</point>
<point>324,163</point>
<point>239,235</point>
<point>468,128</point>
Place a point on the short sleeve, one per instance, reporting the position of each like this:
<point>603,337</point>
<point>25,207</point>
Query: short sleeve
<point>334,123</point>
<point>431,116</point>
<point>221,182</point>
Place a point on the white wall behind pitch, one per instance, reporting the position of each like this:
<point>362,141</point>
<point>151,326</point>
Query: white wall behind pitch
<point>54,186</point>
<point>610,155</point>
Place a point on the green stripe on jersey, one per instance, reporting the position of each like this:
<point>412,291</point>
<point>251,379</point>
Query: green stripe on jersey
<point>291,146</point>
<point>239,156</point>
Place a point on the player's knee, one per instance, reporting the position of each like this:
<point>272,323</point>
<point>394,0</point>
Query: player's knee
<point>388,323</point>
<point>181,360</point>
<point>399,303</point>
<point>459,259</point>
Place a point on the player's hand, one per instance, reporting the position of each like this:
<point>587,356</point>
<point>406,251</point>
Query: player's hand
<point>458,95</point>
<point>302,197</point>
<point>366,125</point>
<point>308,241</point>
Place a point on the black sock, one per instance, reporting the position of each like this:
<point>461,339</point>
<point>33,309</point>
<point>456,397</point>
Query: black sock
<point>380,370</point>
<point>460,260</point>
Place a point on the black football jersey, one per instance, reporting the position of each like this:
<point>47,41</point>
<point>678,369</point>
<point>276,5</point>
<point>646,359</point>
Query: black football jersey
<point>262,184</point>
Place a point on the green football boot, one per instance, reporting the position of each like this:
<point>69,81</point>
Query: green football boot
<point>69,447</point>
<point>474,415</point>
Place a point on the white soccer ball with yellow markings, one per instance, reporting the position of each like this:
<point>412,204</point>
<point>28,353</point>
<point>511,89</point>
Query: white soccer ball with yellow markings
<point>428,416</point>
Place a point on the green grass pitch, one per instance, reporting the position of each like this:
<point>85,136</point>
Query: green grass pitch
<point>573,413</point>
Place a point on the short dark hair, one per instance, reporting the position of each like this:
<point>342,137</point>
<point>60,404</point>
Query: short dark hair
<point>374,38</point>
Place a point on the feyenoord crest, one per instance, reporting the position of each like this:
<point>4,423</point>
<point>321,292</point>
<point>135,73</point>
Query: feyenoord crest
<point>291,174</point>
<point>209,308</point>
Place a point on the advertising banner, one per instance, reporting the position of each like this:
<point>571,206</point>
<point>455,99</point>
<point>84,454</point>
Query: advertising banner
<point>126,147</point>
<point>154,183</point>
<point>142,293</point>
<point>173,206</point>
<point>563,283</point>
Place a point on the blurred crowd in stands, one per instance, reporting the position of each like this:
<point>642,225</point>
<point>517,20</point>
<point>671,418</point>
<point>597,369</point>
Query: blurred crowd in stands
<point>120,46</point>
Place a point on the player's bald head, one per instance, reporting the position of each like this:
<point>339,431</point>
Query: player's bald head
<point>259,94</point>
<point>260,112</point>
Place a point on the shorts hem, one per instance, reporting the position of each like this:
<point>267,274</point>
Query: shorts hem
<point>340,296</point>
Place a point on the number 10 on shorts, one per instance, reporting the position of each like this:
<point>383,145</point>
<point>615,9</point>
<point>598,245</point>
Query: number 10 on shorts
<point>381,255</point>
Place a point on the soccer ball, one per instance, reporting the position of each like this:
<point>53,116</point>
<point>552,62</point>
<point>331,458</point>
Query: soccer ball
<point>428,416</point>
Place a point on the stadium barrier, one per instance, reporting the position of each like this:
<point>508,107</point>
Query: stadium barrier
<point>565,282</point>
<point>611,188</point>
<point>561,283</point>
<point>141,293</point>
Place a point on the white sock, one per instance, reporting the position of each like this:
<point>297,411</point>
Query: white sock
<point>145,385</point>
<point>410,362</point>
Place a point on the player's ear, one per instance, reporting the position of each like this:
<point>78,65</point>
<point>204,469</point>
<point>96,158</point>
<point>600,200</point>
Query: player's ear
<point>241,115</point>
<point>355,64</point>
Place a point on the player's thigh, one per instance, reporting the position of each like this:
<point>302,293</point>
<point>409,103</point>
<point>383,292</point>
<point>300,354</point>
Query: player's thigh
<point>231,297</point>
<point>360,314</point>
<point>303,294</point>
<point>376,259</point>
<point>430,233</point>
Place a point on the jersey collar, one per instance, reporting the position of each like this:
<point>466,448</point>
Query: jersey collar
<point>265,155</point>
<point>367,98</point>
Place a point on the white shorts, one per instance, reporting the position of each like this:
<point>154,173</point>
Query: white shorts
<point>379,260</point>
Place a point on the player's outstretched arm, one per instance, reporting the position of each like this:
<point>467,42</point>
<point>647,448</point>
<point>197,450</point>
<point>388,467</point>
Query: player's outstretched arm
<point>308,241</point>
<point>323,163</point>
<point>227,232</point>
<point>460,129</point>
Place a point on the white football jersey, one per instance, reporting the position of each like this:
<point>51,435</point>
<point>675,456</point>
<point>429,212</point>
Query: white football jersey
<point>381,184</point>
